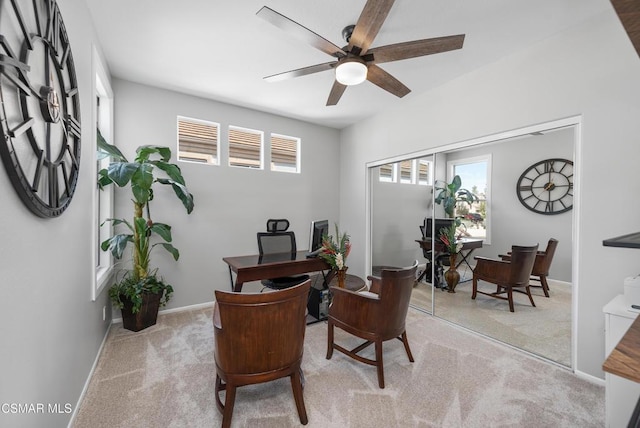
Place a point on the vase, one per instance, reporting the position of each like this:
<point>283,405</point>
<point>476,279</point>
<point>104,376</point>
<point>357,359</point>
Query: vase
<point>342,274</point>
<point>451,275</point>
<point>146,316</point>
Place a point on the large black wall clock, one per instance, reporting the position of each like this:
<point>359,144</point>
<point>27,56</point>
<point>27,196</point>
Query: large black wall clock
<point>39,105</point>
<point>546,187</point>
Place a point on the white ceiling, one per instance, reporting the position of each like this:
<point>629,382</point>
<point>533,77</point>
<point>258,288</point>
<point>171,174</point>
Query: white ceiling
<point>221,50</point>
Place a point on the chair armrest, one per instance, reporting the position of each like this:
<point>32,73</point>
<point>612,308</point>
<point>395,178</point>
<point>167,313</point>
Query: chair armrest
<point>355,309</point>
<point>506,257</point>
<point>375,284</point>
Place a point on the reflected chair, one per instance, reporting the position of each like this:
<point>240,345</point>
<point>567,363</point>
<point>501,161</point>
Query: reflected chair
<point>542,265</point>
<point>259,338</point>
<point>509,276</point>
<point>278,241</point>
<point>376,316</point>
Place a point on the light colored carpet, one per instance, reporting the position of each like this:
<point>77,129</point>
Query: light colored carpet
<point>544,330</point>
<point>164,377</point>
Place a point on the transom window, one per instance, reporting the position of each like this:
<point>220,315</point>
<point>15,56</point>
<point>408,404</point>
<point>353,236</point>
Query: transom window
<point>245,148</point>
<point>285,153</point>
<point>411,171</point>
<point>198,140</point>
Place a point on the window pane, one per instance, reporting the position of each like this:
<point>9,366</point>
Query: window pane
<point>406,168</point>
<point>245,148</point>
<point>424,172</point>
<point>386,173</point>
<point>197,141</point>
<point>284,153</point>
<point>474,178</point>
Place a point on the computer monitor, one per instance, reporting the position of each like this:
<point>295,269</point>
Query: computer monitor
<point>319,228</point>
<point>441,223</point>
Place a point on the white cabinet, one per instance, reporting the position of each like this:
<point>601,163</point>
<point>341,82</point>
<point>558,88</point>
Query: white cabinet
<point>621,394</point>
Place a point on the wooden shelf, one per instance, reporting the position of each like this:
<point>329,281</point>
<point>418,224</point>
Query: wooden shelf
<point>624,360</point>
<point>631,240</point>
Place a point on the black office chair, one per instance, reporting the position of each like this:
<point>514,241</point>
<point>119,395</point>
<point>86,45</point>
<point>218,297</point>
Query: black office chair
<point>277,241</point>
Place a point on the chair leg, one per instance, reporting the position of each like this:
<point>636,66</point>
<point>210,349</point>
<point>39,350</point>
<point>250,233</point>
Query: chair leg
<point>528,290</point>
<point>229,401</point>
<point>475,288</point>
<point>406,345</point>
<point>296,386</point>
<point>545,286</point>
<point>510,298</point>
<point>329,339</point>
<point>379,363</point>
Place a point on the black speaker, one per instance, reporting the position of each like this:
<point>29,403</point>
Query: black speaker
<point>318,303</point>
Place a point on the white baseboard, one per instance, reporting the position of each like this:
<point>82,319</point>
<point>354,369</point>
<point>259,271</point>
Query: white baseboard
<point>590,378</point>
<point>173,310</point>
<point>89,376</point>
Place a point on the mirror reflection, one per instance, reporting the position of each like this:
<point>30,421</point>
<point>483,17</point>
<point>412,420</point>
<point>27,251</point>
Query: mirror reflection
<point>495,189</point>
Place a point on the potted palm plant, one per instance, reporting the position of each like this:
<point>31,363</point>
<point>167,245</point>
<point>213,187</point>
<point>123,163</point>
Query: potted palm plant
<point>140,291</point>
<point>450,193</point>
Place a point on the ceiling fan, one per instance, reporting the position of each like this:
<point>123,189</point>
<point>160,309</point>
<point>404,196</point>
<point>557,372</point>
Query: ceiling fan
<point>356,62</point>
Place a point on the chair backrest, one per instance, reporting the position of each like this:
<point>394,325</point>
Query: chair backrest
<point>395,294</point>
<point>260,332</point>
<point>544,259</point>
<point>277,225</point>
<point>276,242</point>
<point>522,260</point>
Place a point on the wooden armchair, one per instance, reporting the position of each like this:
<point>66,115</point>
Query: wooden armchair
<point>259,338</point>
<point>509,276</point>
<point>542,265</point>
<point>376,316</point>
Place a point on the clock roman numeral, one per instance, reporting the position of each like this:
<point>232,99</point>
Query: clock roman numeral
<point>73,126</point>
<point>36,176</point>
<point>54,191</point>
<point>53,26</point>
<point>548,206</point>
<point>23,27</point>
<point>20,129</point>
<point>526,188</point>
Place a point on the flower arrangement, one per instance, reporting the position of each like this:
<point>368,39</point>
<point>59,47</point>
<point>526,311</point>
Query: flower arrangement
<point>335,252</point>
<point>449,239</point>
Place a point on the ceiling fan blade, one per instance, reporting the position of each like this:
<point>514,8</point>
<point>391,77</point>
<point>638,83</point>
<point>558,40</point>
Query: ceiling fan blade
<point>336,92</point>
<point>381,78</point>
<point>300,32</point>
<point>416,48</point>
<point>301,71</point>
<point>371,19</point>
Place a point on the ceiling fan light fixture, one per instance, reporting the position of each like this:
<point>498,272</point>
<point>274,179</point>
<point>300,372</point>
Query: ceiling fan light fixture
<point>351,71</point>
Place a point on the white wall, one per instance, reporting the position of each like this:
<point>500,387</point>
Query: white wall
<point>51,330</point>
<point>231,204</point>
<point>590,70</point>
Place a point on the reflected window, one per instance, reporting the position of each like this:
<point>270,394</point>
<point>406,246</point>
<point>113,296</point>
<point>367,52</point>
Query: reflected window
<point>387,173</point>
<point>475,175</point>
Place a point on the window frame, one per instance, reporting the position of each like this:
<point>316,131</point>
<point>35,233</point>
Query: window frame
<point>215,160</point>
<point>298,143</point>
<point>231,128</point>
<point>451,164</point>
<point>104,201</point>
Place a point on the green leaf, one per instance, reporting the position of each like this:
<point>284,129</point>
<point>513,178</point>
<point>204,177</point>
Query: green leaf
<point>103,178</point>
<point>170,248</point>
<point>117,221</point>
<point>105,149</point>
<point>141,183</point>
<point>172,170</point>
<point>144,152</point>
<point>164,230</point>
<point>181,192</point>
<point>121,172</point>
<point>117,244</point>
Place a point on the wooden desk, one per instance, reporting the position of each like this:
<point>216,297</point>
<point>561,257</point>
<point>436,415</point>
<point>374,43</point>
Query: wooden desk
<point>255,267</point>
<point>624,361</point>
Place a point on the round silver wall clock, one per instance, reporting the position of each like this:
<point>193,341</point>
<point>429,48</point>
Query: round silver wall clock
<point>39,106</point>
